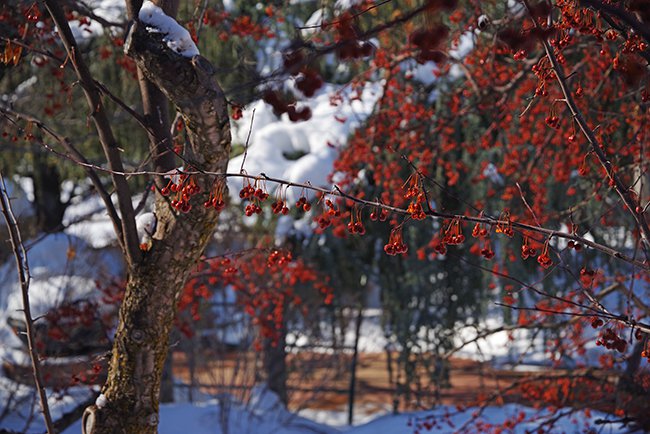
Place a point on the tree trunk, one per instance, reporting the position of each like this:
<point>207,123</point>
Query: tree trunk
<point>146,316</point>
<point>275,365</point>
<point>47,194</point>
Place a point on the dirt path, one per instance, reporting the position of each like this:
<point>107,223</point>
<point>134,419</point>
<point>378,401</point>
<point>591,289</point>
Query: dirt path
<point>322,381</point>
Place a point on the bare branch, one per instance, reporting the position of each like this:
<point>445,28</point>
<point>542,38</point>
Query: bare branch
<point>78,158</point>
<point>22,267</point>
<point>626,17</point>
<point>106,137</point>
<point>619,186</point>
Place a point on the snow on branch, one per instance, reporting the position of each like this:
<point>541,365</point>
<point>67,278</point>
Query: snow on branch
<point>176,37</point>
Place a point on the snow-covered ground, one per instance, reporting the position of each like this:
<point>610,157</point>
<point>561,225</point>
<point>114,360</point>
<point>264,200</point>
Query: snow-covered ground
<point>262,415</point>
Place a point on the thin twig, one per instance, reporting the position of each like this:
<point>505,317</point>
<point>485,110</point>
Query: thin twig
<point>250,130</point>
<point>523,199</point>
<point>22,267</point>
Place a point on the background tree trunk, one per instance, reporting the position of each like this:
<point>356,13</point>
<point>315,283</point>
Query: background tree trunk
<point>275,365</point>
<point>47,194</point>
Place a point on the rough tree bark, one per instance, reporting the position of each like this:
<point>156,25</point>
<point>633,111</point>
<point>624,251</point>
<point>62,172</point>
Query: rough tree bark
<point>155,108</point>
<point>154,283</point>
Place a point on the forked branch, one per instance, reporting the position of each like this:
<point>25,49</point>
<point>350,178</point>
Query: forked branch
<point>104,130</point>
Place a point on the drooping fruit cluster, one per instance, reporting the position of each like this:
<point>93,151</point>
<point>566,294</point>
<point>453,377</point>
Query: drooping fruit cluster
<point>587,277</point>
<point>526,250</point>
<point>349,45</point>
<point>380,215</point>
<point>552,121</point>
<point>325,220</point>
<point>544,259</point>
<point>355,226</point>
<point>611,340</point>
<point>415,190</point>
<point>453,235</point>
<point>280,105</point>
<point>396,245</point>
<point>596,322</point>
<point>279,258</point>
<point>487,251</point>
<point>255,194</point>
<point>429,41</point>
<point>184,189</point>
<point>216,199</point>
<point>484,248</point>
<point>302,204</point>
<point>505,228</point>
<point>280,207</point>
<point>479,231</point>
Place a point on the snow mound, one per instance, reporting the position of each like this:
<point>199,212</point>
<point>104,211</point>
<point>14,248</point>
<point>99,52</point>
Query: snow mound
<point>225,415</point>
<point>305,151</point>
<point>63,269</point>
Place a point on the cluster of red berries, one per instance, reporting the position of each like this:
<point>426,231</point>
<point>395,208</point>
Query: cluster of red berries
<point>308,82</point>
<point>552,121</point>
<point>453,240</point>
<point>505,228</point>
<point>415,209</point>
<point>413,190</point>
<point>487,251</point>
<point>479,231</point>
<point>324,221</point>
<point>574,245</point>
<point>256,196</point>
<point>428,41</point>
<point>185,189</point>
<point>252,208</point>
<point>278,258</point>
<point>396,245</point>
<point>279,207</point>
<point>302,204</point>
<point>587,277</point>
<point>349,46</point>
<point>216,200</point>
<point>356,227</point>
<point>596,322</point>
<point>527,251</point>
<point>520,55</point>
<point>217,203</point>
<point>439,247</point>
<point>453,236</point>
<point>382,215</point>
<point>354,50</point>
<point>281,106</point>
<point>544,260</point>
<point>611,340</point>
<point>250,192</point>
